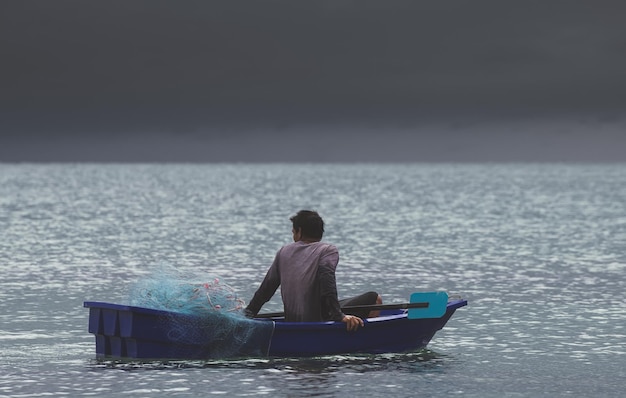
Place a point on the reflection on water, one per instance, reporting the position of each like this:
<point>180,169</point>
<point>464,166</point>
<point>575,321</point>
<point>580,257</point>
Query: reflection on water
<point>322,376</point>
<point>360,362</point>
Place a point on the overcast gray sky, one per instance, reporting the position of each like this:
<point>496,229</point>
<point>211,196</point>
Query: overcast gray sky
<point>337,80</point>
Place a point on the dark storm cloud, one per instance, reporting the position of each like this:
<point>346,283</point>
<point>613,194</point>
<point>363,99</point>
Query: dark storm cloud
<point>189,68</point>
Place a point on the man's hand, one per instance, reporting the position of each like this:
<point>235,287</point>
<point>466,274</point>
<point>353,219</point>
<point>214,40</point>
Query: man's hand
<point>352,322</point>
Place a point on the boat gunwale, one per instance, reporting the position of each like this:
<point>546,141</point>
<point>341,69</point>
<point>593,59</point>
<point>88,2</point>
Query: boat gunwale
<point>452,305</point>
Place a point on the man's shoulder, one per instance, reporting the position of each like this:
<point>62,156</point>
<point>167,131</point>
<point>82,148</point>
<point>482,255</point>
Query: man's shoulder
<point>327,248</point>
<point>330,245</point>
<point>317,246</point>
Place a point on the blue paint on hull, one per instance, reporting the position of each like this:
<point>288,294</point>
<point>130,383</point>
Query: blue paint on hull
<point>130,332</point>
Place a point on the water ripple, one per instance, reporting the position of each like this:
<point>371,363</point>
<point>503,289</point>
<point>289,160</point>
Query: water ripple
<point>538,250</point>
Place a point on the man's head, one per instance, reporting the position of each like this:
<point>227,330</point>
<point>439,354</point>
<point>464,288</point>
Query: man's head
<point>307,226</point>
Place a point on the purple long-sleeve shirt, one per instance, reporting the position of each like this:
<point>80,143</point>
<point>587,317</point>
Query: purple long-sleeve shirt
<point>306,274</point>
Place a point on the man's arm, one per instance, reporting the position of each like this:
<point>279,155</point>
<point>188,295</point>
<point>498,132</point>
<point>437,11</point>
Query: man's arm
<point>265,291</point>
<point>328,291</point>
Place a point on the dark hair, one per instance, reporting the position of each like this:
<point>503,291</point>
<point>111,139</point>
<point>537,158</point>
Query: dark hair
<point>310,223</point>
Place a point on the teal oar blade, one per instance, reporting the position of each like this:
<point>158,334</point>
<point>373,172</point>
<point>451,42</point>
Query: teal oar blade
<point>437,305</point>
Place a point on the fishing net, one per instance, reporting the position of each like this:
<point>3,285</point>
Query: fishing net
<point>204,317</point>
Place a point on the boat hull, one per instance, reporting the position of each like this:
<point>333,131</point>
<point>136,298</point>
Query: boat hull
<point>123,331</point>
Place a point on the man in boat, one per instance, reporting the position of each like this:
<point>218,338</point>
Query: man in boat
<point>305,270</point>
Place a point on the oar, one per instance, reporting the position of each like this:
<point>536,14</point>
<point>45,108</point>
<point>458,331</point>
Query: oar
<point>421,305</point>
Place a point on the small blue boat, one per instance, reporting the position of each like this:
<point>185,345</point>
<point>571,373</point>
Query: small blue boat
<point>129,332</point>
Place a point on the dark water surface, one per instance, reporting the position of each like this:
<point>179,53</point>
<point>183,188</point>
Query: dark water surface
<point>538,250</point>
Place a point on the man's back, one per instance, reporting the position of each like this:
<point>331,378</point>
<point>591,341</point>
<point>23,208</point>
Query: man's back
<point>298,265</point>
